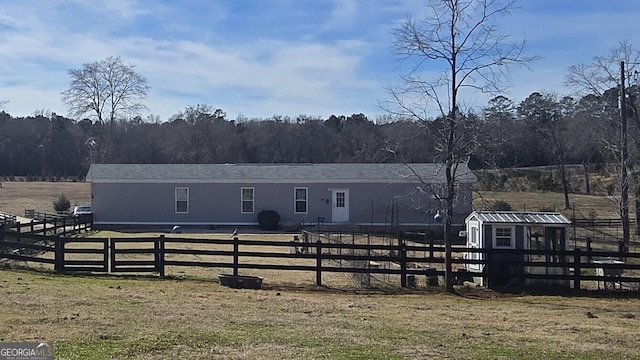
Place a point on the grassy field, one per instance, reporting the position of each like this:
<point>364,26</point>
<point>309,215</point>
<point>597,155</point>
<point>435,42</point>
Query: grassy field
<point>16,196</point>
<point>192,317</point>
<point>583,206</point>
<point>146,318</point>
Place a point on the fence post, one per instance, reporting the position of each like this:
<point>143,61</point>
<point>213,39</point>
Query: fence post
<point>576,269</point>
<point>112,249</point>
<point>235,255</point>
<point>32,227</point>
<point>319,262</point>
<point>59,255</point>
<point>105,254</point>
<point>622,249</point>
<point>488,266</point>
<point>403,263</point>
<point>340,248</point>
<point>18,229</point>
<point>430,248</point>
<point>159,253</point>
<point>589,249</point>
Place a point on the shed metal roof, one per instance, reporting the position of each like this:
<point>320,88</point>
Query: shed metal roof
<point>431,172</point>
<point>512,217</point>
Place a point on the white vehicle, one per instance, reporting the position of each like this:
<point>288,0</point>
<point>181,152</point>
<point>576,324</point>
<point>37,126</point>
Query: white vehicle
<point>82,210</point>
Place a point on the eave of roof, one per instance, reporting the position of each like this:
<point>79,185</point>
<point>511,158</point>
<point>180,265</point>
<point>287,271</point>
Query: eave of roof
<point>513,217</point>
<point>270,173</point>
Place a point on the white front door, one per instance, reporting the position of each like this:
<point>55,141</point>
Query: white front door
<point>339,205</point>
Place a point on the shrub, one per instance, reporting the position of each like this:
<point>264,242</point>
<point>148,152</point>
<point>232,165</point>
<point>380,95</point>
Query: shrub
<point>491,181</point>
<point>542,182</point>
<point>61,204</point>
<point>500,205</point>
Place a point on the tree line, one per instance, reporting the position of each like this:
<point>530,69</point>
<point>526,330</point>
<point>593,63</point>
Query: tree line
<point>543,129</point>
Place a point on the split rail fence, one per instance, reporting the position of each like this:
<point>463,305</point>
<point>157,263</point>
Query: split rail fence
<point>318,255</point>
<point>55,226</point>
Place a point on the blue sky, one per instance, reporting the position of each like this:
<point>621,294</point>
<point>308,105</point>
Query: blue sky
<point>259,58</point>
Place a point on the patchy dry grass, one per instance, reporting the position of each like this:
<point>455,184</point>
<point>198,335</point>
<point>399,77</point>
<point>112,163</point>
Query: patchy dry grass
<point>191,316</point>
<point>16,196</point>
<point>145,318</point>
<point>585,206</point>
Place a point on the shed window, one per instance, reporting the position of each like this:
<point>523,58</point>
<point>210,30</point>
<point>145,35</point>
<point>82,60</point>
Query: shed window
<point>503,237</point>
<point>182,200</point>
<point>300,195</point>
<point>247,200</point>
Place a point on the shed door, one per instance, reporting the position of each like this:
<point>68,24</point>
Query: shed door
<point>473,241</point>
<point>339,205</point>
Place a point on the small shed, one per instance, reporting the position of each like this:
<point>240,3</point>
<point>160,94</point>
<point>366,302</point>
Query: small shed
<point>516,230</point>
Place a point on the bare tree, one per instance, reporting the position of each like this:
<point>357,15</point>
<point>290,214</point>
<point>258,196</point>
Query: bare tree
<point>462,37</point>
<point>604,75</point>
<point>106,90</point>
<point>549,119</point>
<point>603,72</point>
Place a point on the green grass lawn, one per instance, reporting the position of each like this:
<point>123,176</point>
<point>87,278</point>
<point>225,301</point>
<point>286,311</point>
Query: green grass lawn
<point>108,317</point>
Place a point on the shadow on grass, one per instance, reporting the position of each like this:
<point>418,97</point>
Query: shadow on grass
<point>469,292</point>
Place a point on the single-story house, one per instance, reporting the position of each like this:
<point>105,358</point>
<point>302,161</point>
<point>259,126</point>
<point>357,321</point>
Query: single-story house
<point>516,230</point>
<point>234,194</point>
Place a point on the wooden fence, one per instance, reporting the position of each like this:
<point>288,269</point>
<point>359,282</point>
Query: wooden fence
<point>154,255</point>
<point>58,226</point>
<point>609,222</point>
<point>40,215</point>
<point>6,218</point>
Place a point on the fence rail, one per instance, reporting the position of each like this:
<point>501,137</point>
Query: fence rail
<point>6,218</point>
<point>154,255</point>
<point>58,226</point>
<point>40,215</point>
<point>609,222</point>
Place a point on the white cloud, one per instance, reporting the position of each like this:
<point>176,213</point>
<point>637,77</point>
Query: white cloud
<point>343,15</point>
<point>342,67</point>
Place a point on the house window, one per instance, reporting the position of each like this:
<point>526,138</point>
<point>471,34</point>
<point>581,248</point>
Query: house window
<point>503,237</point>
<point>182,200</point>
<point>340,199</point>
<point>247,200</point>
<point>300,195</point>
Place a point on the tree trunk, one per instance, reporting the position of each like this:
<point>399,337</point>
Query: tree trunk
<point>636,179</point>
<point>587,184</point>
<point>565,185</point>
<point>637,210</point>
<point>624,178</point>
<point>448,212</point>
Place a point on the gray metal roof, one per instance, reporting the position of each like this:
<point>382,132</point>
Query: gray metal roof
<point>430,172</point>
<point>512,217</point>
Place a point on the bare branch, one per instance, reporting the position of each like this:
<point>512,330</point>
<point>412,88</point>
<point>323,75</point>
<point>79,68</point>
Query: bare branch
<point>462,37</point>
<point>603,73</point>
<point>105,90</point>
